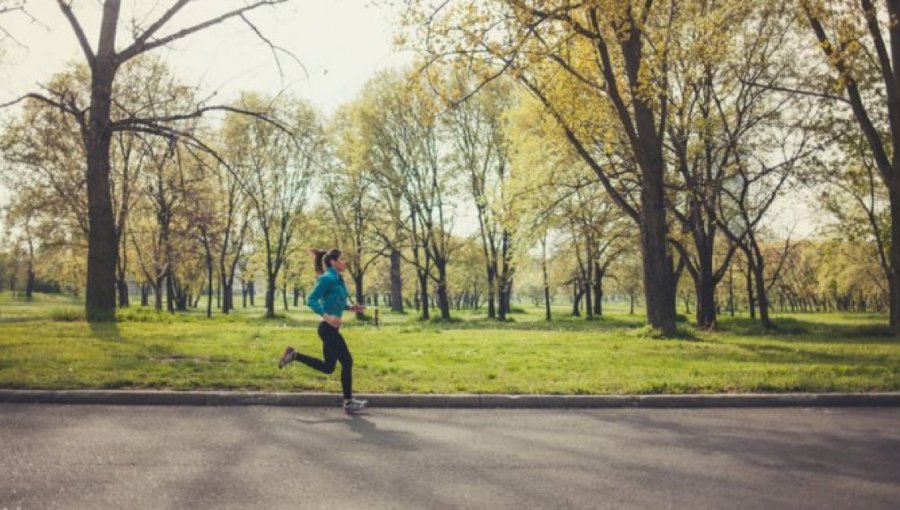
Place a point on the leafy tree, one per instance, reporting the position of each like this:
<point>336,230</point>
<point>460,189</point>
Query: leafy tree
<point>599,68</point>
<point>351,201</point>
<point>98,119</point>
<point>864,69</point>
<point>409,168</point>
<point>851,192</point>
<point>726,62</point>
<point>479,131</point>
<point>275,166</point>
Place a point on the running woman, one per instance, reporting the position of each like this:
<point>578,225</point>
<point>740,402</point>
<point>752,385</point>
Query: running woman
<point>329,299</point>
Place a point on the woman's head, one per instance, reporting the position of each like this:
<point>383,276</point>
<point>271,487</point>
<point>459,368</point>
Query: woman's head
<point>322,260</point>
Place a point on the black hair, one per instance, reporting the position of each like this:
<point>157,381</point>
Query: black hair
<point>322,259</point>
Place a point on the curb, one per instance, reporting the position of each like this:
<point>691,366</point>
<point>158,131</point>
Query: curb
<point>460,401</point>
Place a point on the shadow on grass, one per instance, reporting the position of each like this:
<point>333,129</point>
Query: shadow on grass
<point>799,330</point>
<point>12,319</point>
<point>563,324</point>
<point>768,353</point>
<point>106,331</point>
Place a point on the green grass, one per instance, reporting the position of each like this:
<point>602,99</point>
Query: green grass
<point>44,344</point>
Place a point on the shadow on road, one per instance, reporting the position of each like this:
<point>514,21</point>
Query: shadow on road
<point>369,433</point>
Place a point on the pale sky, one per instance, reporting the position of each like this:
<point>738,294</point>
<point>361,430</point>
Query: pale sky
<point>340,43</point>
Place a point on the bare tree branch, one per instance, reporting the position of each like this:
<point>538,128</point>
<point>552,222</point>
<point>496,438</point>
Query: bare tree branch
<point>129,123</point>
<point>811,93</point>
<point>79,32</point>
<point>275,49</point>
<point>135,50</point>
<point>139,41</point>
<point>33,95</point>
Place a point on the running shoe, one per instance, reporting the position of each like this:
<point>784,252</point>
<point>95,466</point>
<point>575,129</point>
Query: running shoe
<point>351,406</point>
<point>287,357</point>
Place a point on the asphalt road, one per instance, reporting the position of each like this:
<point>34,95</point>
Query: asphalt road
<point>59,456</point>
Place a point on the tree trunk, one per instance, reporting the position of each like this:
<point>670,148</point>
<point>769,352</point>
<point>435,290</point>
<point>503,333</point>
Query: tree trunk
<point>500,284</point>
<point>704,283</point>
<point>180,295</point>
<point>423,296</point>
<point>507,295</point>
<point>658,287</point>
<point>576,301</point>
<point>29,282</point>
<point>598,290</point>
<point>894,276</point>
<point>659,284</point>
<point>360,298</point>
<point>224,289</point>
<point>270,295</point>
<point>750,302</point>
<point>100,296</point>
<point>170,292</point>
<point>443,297</point>
<point>706,301</point>
<point>492,290</point>
<point>158,292</point>
<point>227,296</point>
<point>588,292</point>
<point>209,290</point>
<point>761,299</point>
<point>731,290</point>
<point>547,314</point>
<point>396,282</point>
<point>122,286</point>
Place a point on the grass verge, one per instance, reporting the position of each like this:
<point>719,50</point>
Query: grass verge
<point>46,345</point>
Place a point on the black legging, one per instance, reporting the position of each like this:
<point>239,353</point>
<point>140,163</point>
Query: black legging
<point>334,349</point>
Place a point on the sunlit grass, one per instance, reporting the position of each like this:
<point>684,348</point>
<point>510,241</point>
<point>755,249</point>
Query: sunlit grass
<point>46,344</point>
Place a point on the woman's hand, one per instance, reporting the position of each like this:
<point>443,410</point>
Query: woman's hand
<point>333,320</point>
<point>357,308</point>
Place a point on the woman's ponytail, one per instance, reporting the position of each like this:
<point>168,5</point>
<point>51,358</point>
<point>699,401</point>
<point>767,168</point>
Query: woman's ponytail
<point>318,266</point>
<point>322,259</point>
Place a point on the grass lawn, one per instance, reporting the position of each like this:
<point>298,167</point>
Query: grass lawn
<point>44,345</point>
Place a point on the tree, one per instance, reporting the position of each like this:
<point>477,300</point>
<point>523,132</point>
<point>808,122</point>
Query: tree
<point>851,36</point>
<point>275,166</point>
<point>628,278</point>
<point>554,190</point>
<point>233,217</point>
<point>351,202</point>
<point>44,146</point>
<point>98,125</point>
<point>377,151</point>
<point>478,129</point>
<point>602,60</point>
<point>725,62</point>
<point>408,167</point>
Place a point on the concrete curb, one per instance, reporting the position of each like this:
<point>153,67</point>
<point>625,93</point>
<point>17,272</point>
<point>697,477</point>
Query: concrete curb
<point>470,401</point>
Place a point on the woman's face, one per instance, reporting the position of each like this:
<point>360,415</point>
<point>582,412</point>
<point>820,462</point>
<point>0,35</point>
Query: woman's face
<point>339,264</point>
